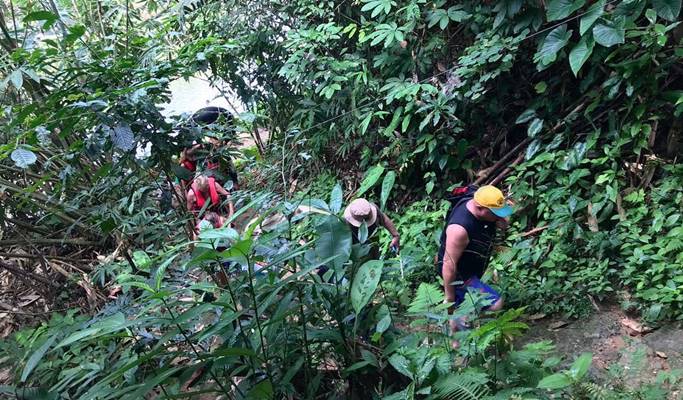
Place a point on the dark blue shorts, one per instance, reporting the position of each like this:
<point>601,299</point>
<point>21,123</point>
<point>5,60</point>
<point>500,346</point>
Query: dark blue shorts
<point>475,284</point>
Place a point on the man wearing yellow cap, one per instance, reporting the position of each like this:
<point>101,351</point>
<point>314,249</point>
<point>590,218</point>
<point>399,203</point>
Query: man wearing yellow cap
<point>466,245</point>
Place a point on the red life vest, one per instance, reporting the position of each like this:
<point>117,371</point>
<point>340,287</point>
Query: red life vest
<point>189,165</point>
<point>213,193</point>
<point>213,165</point>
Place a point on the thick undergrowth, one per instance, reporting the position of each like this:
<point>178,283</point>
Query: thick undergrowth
<point>573,107</point>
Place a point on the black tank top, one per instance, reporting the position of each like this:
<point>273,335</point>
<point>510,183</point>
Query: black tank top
<point>475,258</point>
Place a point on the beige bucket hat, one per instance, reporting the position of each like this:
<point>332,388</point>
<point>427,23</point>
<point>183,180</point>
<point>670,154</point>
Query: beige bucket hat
<point>359,211</point>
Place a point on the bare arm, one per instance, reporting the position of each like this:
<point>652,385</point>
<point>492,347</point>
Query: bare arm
<point>389,225</point>
<point>456,242</point>
<point>222,191</point>
<point>191,199</point>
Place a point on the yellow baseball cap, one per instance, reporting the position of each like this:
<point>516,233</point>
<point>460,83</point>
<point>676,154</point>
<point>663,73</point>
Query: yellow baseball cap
<point>492,198</point>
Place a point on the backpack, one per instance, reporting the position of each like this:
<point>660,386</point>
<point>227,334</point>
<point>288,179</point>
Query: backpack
<point>458,196</point>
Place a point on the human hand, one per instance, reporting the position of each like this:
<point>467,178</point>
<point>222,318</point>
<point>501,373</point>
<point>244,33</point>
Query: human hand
<point>396,244</point>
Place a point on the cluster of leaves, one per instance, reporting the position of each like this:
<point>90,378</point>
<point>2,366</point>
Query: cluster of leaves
<point>276,328</point>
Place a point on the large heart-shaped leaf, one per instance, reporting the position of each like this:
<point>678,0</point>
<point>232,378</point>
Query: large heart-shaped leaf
<point>558,9</point>
<point>552,44</point>
<point>609,34</point>
<point>365,283</point>
<point>667,9</point>
<point>580,54</point>
<point>594,12</point>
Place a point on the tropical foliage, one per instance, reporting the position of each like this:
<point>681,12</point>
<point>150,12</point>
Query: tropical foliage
<point>573,106</point>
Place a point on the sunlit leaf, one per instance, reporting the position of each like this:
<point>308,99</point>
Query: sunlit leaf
<point>23,157</point>
<point>365,283</point>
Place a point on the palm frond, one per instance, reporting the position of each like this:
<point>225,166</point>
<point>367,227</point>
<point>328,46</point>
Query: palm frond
<point>468,385</point>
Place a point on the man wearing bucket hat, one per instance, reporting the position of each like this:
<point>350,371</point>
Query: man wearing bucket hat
<point>466,244</point>
<point>362,211</point>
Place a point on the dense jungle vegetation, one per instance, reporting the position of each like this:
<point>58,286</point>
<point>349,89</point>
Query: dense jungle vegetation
<point>573,107</point>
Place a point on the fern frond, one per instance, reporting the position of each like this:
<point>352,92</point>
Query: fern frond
<point>426,298</point>
<point>594,391</point>
<point>467,385</point>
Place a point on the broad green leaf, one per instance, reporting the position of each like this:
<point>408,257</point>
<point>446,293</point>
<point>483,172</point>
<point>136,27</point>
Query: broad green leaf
<point>36,358</point>
<point>222,233</point>
<point>580,53</point>
<point>334,241</point>
<point>555,381</point>
<point>535,127</point>
<point>457,15</point>
<point>233,351</point>
<point>406,122</point>
<point>580,366</point>
<point>383,324</point>
<point>363,232</point>
<point>371,179</point>
<point>533,148</point>
<point>161,271</point>
<point>400,364</point>
<point>667,9</point>
<point>336,198</point>
<point>42,15</point>
<point>387,185</point>
<point>39,16</point>
<point>558,9</point>
<point>365,123</point>
<point>389,130</point>
<point>552,44</point>
<point>609,34</point>
<point>78,336</point>
<point>23,157</point>
<point>541,87</point>
<point>365,283</point>
<point>75,33</point>
<point>594,12</point>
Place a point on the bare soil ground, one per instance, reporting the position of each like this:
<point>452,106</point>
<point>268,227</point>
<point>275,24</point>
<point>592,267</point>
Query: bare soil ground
<point>615,342</point>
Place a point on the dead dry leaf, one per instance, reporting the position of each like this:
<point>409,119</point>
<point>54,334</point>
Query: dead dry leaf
<point>635,328</point>
<point>558,324</point>
<point>661,354</point>
<point>537,316</point>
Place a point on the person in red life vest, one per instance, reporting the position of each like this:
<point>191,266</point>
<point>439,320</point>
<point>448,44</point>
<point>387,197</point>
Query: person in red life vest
<point>205,189</point>
<point>218,124</point>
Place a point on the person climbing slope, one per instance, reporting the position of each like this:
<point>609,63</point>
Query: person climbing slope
<point>467,241</point>
<point>216,154</point>
<point>205,189</point>
<point>362,211</point>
